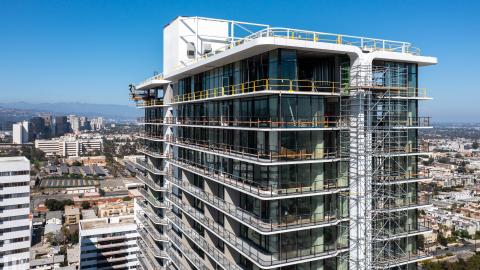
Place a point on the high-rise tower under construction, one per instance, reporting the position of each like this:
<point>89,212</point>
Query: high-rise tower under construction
<point>278,148</point>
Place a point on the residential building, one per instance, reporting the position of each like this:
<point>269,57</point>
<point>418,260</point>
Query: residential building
<point>20,132</point>
<point>54,217</point>
<point>14,213</point>
<point>47,263</point>
<point>281,149</point>
<point>72,215</point>
<point>108,243</point>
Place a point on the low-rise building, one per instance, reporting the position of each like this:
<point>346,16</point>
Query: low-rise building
<point>72,215</point>
<point>47,263</point>
<point>98,235</point>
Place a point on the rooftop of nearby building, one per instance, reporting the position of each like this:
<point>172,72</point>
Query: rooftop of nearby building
<point>13,159</point>
<point>106,222</point>
<point>71,210</point>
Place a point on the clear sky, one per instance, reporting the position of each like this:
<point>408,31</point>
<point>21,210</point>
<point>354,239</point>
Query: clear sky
<point>89,51</point>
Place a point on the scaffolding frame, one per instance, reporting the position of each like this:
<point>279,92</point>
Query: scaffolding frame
<point>375,141</point>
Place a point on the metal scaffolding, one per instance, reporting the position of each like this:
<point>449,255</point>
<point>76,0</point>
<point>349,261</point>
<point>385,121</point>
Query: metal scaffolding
<point>378,140</point>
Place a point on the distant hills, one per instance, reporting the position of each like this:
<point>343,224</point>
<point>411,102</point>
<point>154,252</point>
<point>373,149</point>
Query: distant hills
<point>111,111</point>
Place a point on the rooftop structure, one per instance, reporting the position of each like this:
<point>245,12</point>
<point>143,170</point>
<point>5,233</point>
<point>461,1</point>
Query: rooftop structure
<point>108,243</point>
<point>278,148</point>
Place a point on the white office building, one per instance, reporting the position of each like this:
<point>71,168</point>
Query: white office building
<point>108,243</point>
<point>69,146</point>
<point>20,132</point>
<point>14,213</point>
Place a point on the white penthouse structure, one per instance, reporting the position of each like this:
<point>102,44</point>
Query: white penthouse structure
<point>278,148</point>
<point>14,213</point>
<point>108,243</point>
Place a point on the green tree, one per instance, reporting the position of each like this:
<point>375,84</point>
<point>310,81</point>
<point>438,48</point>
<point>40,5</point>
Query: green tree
<point>85,205</point>
<point>442,240</point>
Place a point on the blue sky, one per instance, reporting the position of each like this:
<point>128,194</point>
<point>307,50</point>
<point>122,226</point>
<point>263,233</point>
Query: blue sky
<point>89,51</point>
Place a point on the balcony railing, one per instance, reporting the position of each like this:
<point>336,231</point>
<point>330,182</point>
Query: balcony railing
<point>150,120</point>
<point>290,253</point>
<point>386,232</point>
<point>146,262</point>
<point>397,203</point>
<point>149,182</point>
<point>146,243</point>
<point>261,122</point>
<point>193,257</point>
<point>154,217</point>
<point>150,137</point>
<point>152,152</point>
<point>263,86</point>
<point>263,153</point>
<point>210,250</point>
<point>389,261</point>
<point>258,189</point>
<point>154,233</point>
<point>385,178</point>
<point>152,200</point>
<point>175,259</point>
<point>364,43</point>
<point>397,150</point>
<point>287,222</point>
<point>150,102</point>
<point>149,167</point>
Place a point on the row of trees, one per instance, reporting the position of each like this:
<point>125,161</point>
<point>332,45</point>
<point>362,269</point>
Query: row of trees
<point>469,264</point>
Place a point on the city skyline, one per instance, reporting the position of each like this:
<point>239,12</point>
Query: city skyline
<point>102,46</point>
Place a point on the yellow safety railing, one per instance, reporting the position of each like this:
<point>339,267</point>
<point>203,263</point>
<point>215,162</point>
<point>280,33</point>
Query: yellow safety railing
<point>326,87</point>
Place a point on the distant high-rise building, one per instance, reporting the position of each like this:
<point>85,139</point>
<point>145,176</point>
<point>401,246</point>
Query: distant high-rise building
<point>84,123</point>
<point>97,123</point>
<point>74,123</point>
<point>281,149</point>
<point>38,128</point>
<point>14,213</point>
<point>20,132</point>
<point>108,243</point>
<point>61,125</point>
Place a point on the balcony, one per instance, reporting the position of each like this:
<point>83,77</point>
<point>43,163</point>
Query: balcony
<point>329,186</point>
<point>156,153</point>
<point>175,260</point>
<point>400,177</point>
<point>385,233</point>
<point>247,248</point>
<point>154,233</point>
<point>155,218</point>
<point>391,203</point>
<point>148,103</point>
<point>149,167</point>
<point>149,182</point>
<point>152,82</point>
<point>143,120</point>
<point>210,250</point>
<point>148,263</point>
<point>392,261</point>
<point>193,257</point>
<point>263,87</point>
<point>150,137</point>
<point>383,149</point>
<point>146,243</point>
<point>261,123</point>
<point>291,222</point>
<point>261,154</point>
<point>152,200</point>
